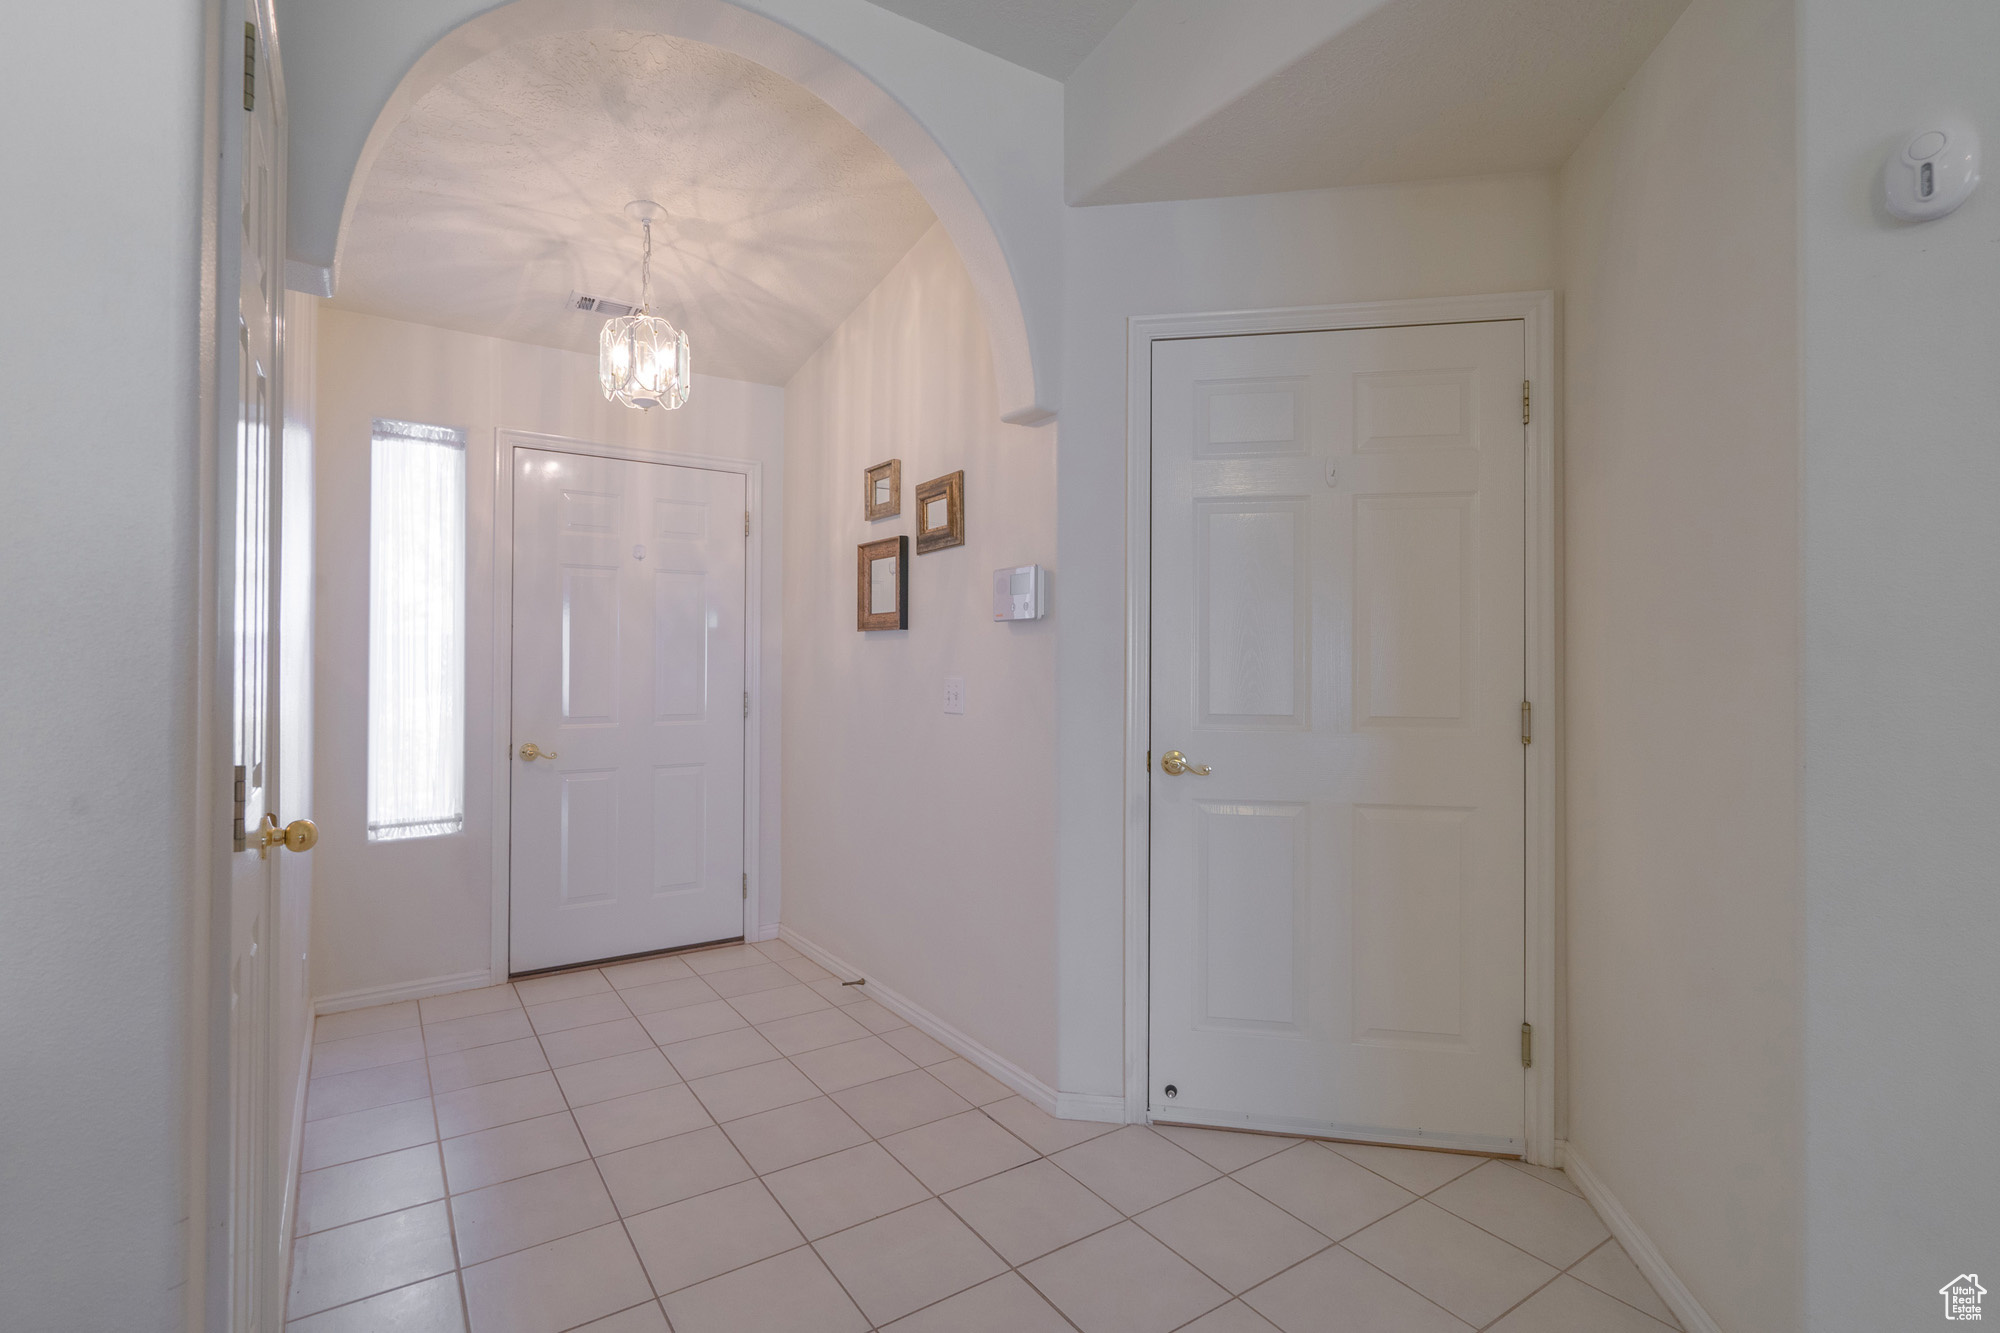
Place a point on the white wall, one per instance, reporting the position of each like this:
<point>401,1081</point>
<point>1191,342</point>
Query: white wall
<point>1682,598</point>
<point>420,911</point>
<point>1902,681</point>
<point>919,845</point>
<point>98,590</point>
<point>1374,243</point>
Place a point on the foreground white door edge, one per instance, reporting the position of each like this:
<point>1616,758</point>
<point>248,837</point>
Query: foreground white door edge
<point>256,614</point>
<point>628,682</point>
<point>1338,602</point>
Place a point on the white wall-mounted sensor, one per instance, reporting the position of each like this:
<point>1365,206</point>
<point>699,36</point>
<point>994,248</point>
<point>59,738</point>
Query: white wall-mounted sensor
<point>1020,593</point>
<point>1933,172</point>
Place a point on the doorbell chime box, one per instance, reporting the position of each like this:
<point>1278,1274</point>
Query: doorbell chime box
<point>1020,593</point>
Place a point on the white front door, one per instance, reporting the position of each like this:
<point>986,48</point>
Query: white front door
<point>1337,636</point>
<point>628,666</point>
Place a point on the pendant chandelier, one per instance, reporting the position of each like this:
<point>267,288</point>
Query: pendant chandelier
<point>642,360</point>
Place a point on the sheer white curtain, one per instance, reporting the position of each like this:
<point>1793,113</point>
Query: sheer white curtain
<point>416,632</point>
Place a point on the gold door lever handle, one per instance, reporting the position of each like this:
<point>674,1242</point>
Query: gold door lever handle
<point>1173,763</point>
<point>298,836</point>
<point>531,752</point>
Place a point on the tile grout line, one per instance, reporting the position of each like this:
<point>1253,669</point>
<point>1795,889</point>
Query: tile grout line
<point>444,1180</point>
<point>591,1156</point>
<point>810,1243</point>
<point>871,1137</point>
<point>1571,1274</point>
<point>436,1142</point>
<point>451,1213</point>
<point>1424,1197</point>
<point>758,1176</point>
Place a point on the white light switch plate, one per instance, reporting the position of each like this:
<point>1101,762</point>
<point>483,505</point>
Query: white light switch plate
<point>954,694</point>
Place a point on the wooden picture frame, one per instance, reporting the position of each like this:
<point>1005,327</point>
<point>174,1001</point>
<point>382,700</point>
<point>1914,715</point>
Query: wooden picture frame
<point>873,595</point>
<point>882,490</point>
<point>941,499</point>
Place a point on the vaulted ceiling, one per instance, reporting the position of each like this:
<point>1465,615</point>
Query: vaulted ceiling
<point>1048,36</point>
<point>504,189</point>
<point>1226,97</point>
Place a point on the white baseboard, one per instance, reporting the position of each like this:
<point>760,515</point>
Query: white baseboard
<point>762,933</point>
<point>408,990</point>
<point>1637,1243</point>
<point>1106,1108</point>
<point>999,1066</point>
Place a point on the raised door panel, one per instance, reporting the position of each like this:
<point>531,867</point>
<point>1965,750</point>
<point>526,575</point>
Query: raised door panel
<point>680,643</point>
<point>590,644</point>
<point>680,828</point>
<point>1414,613</point>
<point>1253,893</point>
<point>1397,410</point>
<point>1251,613</point>
<point>591,513</point>
<point>1251,418</point>
<point>1408,936</point>
<point>589,831</point>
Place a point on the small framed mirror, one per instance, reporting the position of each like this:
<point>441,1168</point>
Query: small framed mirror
<point>941,513</point>
<point>882,584</point>
<point>882,490</point>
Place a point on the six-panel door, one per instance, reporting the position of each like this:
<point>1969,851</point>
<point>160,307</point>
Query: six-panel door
<point>1338,583</point>
<point>628,665</point>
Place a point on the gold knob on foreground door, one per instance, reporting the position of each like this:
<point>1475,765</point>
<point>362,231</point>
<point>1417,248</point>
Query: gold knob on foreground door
<point>1173,763</point>
<point>531,752</point>
<point>298,836</point>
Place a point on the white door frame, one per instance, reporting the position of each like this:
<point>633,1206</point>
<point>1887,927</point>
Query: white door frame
<point>505,441</point>
<point>1537,311</point>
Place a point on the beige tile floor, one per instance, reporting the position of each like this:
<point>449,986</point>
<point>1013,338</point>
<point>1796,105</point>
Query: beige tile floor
<point>732,1142</point>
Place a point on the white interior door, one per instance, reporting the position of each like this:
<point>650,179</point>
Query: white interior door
<point>245,1272</point>
<point>628,664</point>
<point>1338,611</point>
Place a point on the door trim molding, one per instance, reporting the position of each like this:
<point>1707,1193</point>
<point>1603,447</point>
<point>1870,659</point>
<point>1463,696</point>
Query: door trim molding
<point>505,441</point>
<point>1537,311</point>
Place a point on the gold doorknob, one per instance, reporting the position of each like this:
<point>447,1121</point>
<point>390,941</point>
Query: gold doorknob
<point>1173,763</point>
<point>531,752</point>
<point>301,835</point>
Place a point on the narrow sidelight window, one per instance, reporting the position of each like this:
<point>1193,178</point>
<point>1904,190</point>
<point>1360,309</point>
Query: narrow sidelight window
<point>416,632</point>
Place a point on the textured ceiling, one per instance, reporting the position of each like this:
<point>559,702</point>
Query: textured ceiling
<point>1048,36</point>
<point>505,188</point>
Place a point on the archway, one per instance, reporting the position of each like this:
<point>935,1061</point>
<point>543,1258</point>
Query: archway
<point>1011,249</point>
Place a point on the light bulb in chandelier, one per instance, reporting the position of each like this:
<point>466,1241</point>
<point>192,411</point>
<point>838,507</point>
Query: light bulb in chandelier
<point>642,359</point>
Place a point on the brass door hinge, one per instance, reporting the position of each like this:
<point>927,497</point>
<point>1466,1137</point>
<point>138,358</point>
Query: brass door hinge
<point>1527,722</point>
<point>1149,761</point>
<point>1527,1046</point>
<point>746,886</point>
<point>746,523</point>
<point>1524,402</point>
<point>239,836</point>
<point>746,703</point>
<point>249,67</point>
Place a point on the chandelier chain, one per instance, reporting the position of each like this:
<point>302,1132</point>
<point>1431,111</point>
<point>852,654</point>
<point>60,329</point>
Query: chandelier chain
<point>646,270</point>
